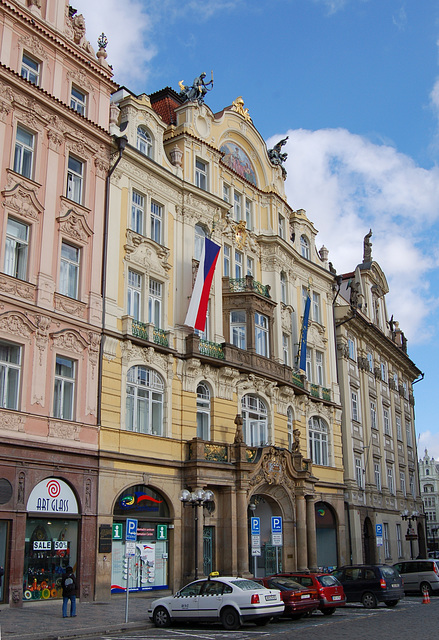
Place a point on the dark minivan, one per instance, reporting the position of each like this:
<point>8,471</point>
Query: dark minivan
<point>370,584</point>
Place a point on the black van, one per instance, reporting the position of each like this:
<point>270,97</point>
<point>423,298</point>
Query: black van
<point>370,584</point>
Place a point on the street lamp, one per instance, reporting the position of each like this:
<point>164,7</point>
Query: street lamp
<point>196,499</point>
<point>411,533</point>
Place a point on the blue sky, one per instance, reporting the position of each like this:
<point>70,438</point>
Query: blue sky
<point>355,85</point>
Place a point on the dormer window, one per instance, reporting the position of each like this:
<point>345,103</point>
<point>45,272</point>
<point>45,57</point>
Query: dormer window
<point>304,247</point>
<point>144,142</point>
<point>201,174</point>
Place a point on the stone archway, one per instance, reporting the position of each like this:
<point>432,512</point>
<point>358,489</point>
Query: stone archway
<point>326,534</point>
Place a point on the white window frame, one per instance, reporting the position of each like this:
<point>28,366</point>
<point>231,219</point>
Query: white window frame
<point>359,476</point>
<point>156,222</point>
<point>155,298</point>
<point>373,415</point>
<point>255,421</point>
<point>237,206</point>
<point>316,307</point>
<point>402,483</point>
<point>398,427</point>
<point>351,348</point>
<point>283,288</point>
<point>78,100</point>
<point>370,361</point>
<point>10,374</point>
<point>320,368</point>
<point>200,234</point>
<point>16,248</point>
<point>75,179</point>
<point>137,212</point>
<point>408,431</point>
<point>203,411</point>
<point>250,266</point>
<point>304,247</point>
<point>201,174</point>
<point>262,335</point>
<point>386,421</point>
<point>69,270</point>
<point>377,472</point>
<point>144,390</point>
<point>286,349</point>
<point>318,441</point>
<point>144,141</point>
<point>281,226</point>
<point>134,295</point>
<point>290,428</point>
<point>308,364</point>
<point>239,264</point>
<point>355,405</point>
<point>226,260</point>
<point>226,192</point>
<point>249,214</point>
<point>238,328</point>
<point>384,372</point>
<point>64,389</point>
<point>24,152</point>
<point>30,69</point>
<point>390,480</point>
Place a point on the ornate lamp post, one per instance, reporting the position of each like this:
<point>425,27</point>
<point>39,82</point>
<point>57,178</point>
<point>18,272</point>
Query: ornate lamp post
<point>195,499</point>
<point>411,533</point>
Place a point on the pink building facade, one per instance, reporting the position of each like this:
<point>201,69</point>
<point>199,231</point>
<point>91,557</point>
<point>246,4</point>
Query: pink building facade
<point>54,160</point>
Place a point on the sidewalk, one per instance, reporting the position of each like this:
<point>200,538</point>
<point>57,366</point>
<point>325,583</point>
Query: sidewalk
<point>44,621</point>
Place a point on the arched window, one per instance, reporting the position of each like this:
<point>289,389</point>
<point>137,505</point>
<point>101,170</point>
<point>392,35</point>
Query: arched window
<point>200,235</point>
<point>255,422</point>
<point>304,247</point>
<point>283,287</point>
<point>144,142</point>
<point>290,418</point>
<point>318,440</point>
<point>144,403</point>
<point>203,411</point>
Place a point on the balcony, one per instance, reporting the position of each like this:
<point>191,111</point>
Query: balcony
<point>320,392</point>
<point>211,349</point>
<point>145,331</point>
<point>247,284</point>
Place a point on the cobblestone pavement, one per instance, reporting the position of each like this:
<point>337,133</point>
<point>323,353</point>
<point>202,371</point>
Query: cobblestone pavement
<point>44,621</point>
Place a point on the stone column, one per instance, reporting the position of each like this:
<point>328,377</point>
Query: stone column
<point>302,551</point>
<point>311,533</point>
<point>242,532</point>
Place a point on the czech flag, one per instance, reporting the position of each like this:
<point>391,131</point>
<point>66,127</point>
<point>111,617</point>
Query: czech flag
<point>197,311</point>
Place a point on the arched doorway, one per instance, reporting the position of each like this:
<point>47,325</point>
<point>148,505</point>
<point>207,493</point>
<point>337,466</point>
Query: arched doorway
<point>368,542</point>
<point>326,536</point>
<point>269,558</point>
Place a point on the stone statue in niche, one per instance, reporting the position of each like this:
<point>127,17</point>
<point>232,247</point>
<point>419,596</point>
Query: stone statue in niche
<point>295,447</point>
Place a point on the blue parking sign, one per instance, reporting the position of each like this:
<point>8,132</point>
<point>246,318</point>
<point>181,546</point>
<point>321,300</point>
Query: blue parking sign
<point>276,524</point>
<point>378,530</point>
<point>131,530</point>
<point>256,526</point>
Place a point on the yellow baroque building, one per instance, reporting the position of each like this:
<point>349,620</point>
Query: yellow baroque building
<point>224,414</point>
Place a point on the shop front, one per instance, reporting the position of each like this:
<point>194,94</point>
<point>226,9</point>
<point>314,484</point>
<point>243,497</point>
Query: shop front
<point>148,569</point>
<point>51,539</point>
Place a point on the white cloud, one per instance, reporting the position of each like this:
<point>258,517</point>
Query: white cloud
<point>347,185</point>
<point>428,440</point>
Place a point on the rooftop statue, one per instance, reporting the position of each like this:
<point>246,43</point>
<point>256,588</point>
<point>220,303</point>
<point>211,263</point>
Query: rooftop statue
<point>367,250</point>
<point>277,157</point>
<point>198,90</point>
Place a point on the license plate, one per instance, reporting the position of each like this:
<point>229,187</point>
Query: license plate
<point>305,596</point>
<point>336,597</point>
<point>270,597</point>
<point>395,584</point>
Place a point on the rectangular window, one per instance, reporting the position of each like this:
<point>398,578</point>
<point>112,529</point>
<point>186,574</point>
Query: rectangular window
<point>354,405</point>
<point>155,303</point>
<point>309,375</point>
<point>390,481</point>
<point>16,248</point>
<point>283,288</point>
<point>24,152</point>
<point>319,369</point>
<point>226,192</point>
<point>304,298</point>
<point>359,472</point>
<point>384,372</point>
<point>316,307</point>
<point>395,380</point>
<point>156,222</point>
<point>238,264</point>
<point>377,470</point>
<point>201,174</point>
<point>399,540</point>
<point>226,261</point>
<point>408,429</point>
<point>412,485</point>
<point>281,226</point>
<point>77,100</point>
<point>137,212</point>
<point>386,540</point>
<point>69,271</point>
<point>286,349</point>
<point>261,335</point>
<point>238,328</point>
<point>63,397</point>
<point>370,361</point>
<point>351,347</point>
<point>386,421</point>
<point>30,69</point>
<point>402,482</point>
<point>75,179</point>
<point>373,415</point>
<point>134,302</point>
<point>250,267</point>
<point>398,427</point>
<point>249,213</point>
<point>237,205</point>
<point>10,366</point>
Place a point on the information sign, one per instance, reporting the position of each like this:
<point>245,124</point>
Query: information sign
<point>131,530</point>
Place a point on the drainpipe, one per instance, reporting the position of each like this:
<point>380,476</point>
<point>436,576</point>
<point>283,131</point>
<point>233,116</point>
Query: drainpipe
<point>121,143</point>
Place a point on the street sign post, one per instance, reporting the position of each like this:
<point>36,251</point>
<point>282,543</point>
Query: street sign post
<point>379,535</point>
<point>130,552</point>
<point>276,536</point>
<point>255,526</point>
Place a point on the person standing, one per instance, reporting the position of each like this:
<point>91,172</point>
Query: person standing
<point>69,592</point>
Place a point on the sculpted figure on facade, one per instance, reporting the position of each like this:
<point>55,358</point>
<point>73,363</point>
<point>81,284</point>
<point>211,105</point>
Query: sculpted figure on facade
<point>198,90</point>
<point>278,157</point>
<point>367,249</point>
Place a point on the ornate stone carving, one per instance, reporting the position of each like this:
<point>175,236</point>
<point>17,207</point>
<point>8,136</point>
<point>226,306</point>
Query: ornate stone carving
<point>95,340</point>
<point>11,421</point>
<point>70,340</point>
<point>17,324</point>
<point>273,470</point>
<point>21,487</point>
<point>22,201</point>
<point>42,334</point>
<point>17,288</point>
<point>33,44</point>
<point>74,225</point>
<point>64,430</point>
<point>227,379</point>
<point>81,79</point>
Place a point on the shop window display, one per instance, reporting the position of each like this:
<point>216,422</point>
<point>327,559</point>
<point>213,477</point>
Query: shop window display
<point>149,567</point>
<point>51,545</point>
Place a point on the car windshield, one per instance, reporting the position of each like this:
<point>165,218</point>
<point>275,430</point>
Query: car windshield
<point>246,585</point>
<point>285,584</point>
<point>328,581</point>
<point>389,572</point>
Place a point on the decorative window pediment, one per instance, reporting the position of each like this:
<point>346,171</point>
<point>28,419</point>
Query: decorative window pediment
<point>21,200</point>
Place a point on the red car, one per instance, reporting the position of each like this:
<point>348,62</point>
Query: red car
<point>329,589</point>
<point>298,600</point>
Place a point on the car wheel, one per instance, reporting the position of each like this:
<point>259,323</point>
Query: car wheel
<point>368,600</point>
<point>230,619</point>
<point>329,611</point>
<point>161,617</point>
<point>392,603</point>
<point>261,622</point>
<point>426,586</point>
